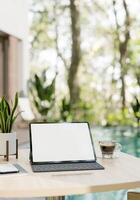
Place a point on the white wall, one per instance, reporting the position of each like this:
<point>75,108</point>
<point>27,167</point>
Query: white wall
<point>14,21</point>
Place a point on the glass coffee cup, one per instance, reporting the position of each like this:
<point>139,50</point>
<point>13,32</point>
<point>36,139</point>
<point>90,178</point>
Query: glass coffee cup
<point>110,149</point>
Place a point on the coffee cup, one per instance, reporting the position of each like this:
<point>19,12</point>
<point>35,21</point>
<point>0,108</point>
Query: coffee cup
<point>110,149</point>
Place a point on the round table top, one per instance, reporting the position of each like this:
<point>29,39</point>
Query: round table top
<point>119,173</point>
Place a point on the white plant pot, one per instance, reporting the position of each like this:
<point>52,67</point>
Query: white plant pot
<point>11,137</point>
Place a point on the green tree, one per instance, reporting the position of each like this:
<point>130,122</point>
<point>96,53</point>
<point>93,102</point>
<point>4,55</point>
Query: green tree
<point>122,40</point>
<point>75,54</point>
<point>96,54</point>
<point>49,18</point>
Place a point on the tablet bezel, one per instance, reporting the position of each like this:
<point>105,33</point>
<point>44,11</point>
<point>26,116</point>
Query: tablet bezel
<point>57,162</point>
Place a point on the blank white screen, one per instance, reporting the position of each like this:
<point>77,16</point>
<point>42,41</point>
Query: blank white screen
<point>61,142</point>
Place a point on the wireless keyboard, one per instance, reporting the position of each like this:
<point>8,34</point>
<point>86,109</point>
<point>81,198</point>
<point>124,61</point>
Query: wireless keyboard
<point>66,167</point>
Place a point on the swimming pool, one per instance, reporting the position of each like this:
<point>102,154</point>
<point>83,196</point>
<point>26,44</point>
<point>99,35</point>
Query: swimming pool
<point>129,137</point>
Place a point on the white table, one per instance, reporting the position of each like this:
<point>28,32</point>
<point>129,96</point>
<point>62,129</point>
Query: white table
<point>119,173</point>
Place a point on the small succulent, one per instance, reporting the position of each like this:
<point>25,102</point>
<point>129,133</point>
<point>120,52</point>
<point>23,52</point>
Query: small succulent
<point>7,114</point>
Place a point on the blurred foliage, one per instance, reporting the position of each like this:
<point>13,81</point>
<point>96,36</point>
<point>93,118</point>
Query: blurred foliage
<point>42,95</point>
<point>136,109</point>
<point>121,118</point>
<point>99,72</point>
<point>81,111</point>
<point>65,110</point>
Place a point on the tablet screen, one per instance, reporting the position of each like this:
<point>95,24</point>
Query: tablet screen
<point>56,142</point>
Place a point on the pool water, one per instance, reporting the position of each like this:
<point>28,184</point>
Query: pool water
<point>129,138</point>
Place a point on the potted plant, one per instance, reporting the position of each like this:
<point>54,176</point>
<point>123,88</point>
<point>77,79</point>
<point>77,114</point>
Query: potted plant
<point>7,118</point>
<point>42,95</point>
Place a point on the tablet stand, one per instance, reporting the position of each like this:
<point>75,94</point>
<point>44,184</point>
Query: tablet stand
<point>7,150</point>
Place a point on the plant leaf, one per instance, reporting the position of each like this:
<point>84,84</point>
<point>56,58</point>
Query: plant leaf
<point>2,122</point>
<point>15,104</point>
